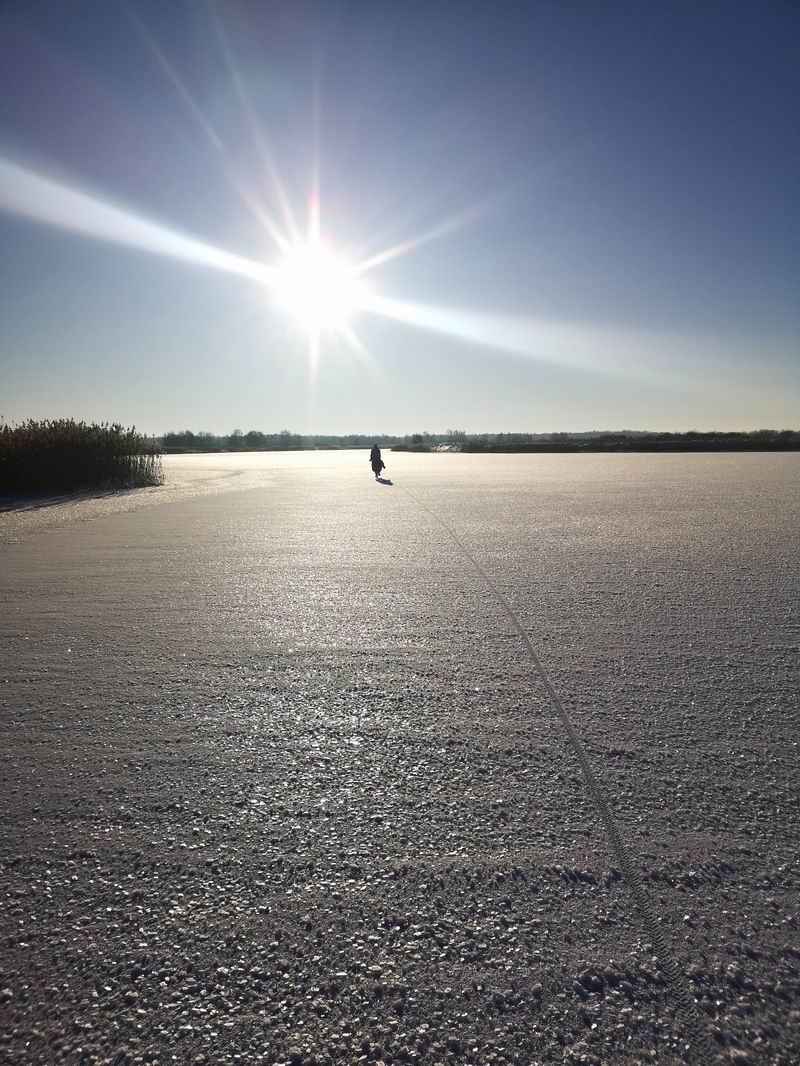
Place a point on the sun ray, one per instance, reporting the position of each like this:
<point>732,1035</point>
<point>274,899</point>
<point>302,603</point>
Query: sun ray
<point>359,349</point>
<point>313,220</point>
<point>442,229</point>
<point>451,224</point>
<point>29,194</point>
<point>251,202</point>
<point>595,348</point>
<point>316,166</point>
<point>313,355</point>
<point>178,83</point>
<point>255,129</point>
<point>353,340</point>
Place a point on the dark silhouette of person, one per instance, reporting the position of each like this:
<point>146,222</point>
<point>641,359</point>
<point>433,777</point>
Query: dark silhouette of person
<point>375,460</point>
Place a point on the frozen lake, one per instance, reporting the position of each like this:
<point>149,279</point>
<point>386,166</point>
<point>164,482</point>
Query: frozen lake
<point>272,716</point>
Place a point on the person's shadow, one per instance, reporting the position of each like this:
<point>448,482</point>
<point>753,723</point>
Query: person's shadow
<point>384,480</point>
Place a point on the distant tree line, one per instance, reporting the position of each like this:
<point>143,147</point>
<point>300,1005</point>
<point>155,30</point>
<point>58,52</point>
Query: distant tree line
<point>252,441</point>
<point>459,440</point>
<point>255,440</point>
<point>640,441</point>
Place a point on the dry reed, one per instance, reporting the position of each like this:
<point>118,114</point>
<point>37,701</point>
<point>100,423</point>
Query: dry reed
<point>64,455</point>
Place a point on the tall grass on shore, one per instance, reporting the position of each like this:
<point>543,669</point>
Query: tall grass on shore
<point>64,455</point>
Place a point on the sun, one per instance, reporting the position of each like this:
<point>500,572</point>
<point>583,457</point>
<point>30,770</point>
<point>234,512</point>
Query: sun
<point>316,289</point>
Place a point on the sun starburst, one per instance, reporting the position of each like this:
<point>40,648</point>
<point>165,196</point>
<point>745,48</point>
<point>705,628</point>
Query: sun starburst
<point>317,289</point>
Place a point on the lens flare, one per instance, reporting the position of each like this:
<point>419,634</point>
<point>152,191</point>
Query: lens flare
<point>322,292</point>
<point>29,194</point>
<point>596,348</point>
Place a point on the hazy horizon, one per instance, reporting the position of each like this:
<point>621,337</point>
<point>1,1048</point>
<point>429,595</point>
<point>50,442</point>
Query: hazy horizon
<point>403,433</point>
<point>552,217</point>
<point>449,433</point>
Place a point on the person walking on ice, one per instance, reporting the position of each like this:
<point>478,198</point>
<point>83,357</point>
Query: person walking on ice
<point>375,460</point>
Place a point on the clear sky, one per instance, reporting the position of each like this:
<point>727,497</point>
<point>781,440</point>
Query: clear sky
<point>596,205</point>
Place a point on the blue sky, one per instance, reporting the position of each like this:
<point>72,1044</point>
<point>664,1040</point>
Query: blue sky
<point>619,183</point>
